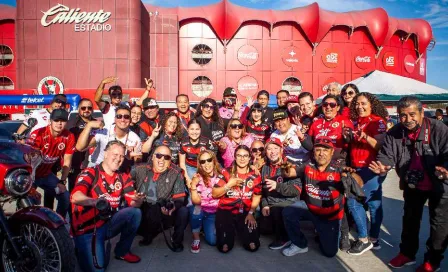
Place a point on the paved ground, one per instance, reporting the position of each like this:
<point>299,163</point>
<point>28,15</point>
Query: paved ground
<point>157,257</point>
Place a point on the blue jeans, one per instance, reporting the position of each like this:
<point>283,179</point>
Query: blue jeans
<point>191,170</point>
<point>328,230</point>
<point>124,222</point>
<point>48,184</point>
<point>374,193</point>
<point>198,219</point>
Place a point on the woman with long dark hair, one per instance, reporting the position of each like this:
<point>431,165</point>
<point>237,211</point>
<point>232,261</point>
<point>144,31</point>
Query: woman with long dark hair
<point>212,126</point>
<point>254,124</point>
<point>348,93</point>
<point>238,200</point>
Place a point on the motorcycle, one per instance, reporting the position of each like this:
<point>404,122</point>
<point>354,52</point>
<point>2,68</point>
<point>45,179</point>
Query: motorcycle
<point>33,238</point>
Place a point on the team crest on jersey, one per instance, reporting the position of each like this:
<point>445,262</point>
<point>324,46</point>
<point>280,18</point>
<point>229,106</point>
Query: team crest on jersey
<point>250,183</point>
<point>61,146</point>
<point>46,146</point>
<point>188,149</point>
<point>330,178</point>
<point>335,124</point>
<point>117,186</point>
<point>202,149</point>
<point>280,179</point>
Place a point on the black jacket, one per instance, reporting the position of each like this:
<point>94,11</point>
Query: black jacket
<point>397,150</point>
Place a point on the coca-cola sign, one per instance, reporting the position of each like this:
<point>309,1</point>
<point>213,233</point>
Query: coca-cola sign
<point>247,86</point>
<point>389,61</point>
<point>331,57</point>
<point>247,55</point>
<point>290,56</point>
<point>363,59</point>
<point>409,64</point>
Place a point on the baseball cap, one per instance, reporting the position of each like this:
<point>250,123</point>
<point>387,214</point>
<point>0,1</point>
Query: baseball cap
<point>148,102</point>
<point>292,99</point>
<point>229,91</point>
<point>59,115</point>
<point>275,141</point>
<point>324,141</point>
<point>60,97</point>
<point>280,114</point>
<point>115,90</point>
<point>263,92</point>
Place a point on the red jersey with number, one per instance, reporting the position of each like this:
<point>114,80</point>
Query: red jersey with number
<point>361,153</point>
<point>331,129</point>
<point>239,199</point>
<point>53,148</point>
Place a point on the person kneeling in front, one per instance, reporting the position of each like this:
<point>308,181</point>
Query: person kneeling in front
<point>323,195</point>
<point>99,201</point>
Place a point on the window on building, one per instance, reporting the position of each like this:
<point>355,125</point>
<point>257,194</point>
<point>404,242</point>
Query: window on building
<point>202,54</point>
<point>6,83</point>
<point>6,55</point>
<point>292,85</point>
<point>202,86</point>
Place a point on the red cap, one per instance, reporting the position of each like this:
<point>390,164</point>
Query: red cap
<point>324,141</point>
<point>292,99</point>
<point>275,141</point>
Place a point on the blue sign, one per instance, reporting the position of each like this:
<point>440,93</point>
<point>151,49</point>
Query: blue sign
<point>72,100</point>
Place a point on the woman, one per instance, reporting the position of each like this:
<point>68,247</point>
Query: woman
<point>348,92</point>
<point>136,124</point>
<point>370,115</point>
<point>258,154</point>
<point>238,200</point>
<point>205,206</point>
<point>212,125</point>
<point>170,137</point>
<point>190,148</point>
<point>236,135</point>
<point>254,125</point>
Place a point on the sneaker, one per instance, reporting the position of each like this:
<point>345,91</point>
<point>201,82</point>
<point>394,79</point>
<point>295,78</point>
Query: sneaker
<point>427,267</point>
<point>376,245</point>
<point>359,248</point>
<point>196,246</point>
<point>344,243</point>
<point>178,247</point>
<point>129,257</point>
<point>279,245</point>
<point>294,250</point>
<point>400,260</point>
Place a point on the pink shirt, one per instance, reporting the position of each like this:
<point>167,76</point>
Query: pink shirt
<point>208,203</point>
<point>228,154</point>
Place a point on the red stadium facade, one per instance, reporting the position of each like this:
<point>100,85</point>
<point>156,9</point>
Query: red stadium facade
<point>200,51</point>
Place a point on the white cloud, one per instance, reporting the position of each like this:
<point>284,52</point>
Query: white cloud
<point>333,5</point>
<point>441,43</point>
<point>436,14</point>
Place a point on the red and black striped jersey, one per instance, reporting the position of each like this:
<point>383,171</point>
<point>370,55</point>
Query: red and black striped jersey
<point>239,199</point>
<point>52,148</point>
<point>260,132</point>
<point>191,151</point>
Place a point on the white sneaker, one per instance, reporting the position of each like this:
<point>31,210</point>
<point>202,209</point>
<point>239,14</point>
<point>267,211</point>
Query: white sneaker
<point>294,250</point>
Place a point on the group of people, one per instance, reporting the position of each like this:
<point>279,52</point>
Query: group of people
<point>242,170</point>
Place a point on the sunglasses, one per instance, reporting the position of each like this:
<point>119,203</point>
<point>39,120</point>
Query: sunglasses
<point>123,116</point>
<point>331,104</point>
<point>166,157</point>
<point>260,149</point>
<point>116,95</point>
<point>207,160</point>
<point>86,108</point>
<point>150,108</point>
<point>234,126</point>
<point>59,101</point>
<point>349,93</point>
<point>207,106</point>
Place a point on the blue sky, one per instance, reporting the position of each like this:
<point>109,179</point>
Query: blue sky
<point>435,12</point>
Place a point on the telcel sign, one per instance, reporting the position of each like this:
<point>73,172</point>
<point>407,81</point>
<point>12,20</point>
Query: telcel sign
<point>84,21</point>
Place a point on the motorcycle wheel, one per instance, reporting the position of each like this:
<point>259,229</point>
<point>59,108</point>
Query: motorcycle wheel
<point>49,250</point>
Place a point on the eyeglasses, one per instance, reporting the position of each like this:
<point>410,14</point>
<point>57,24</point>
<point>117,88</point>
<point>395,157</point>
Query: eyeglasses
<point>86,108</point>
<point>331,104</point>
<point>349,93</point>
<point>123,116</point>
<point>207,160</point>
<point>207,106</point>
<point>245,156</point>
<point>260,149</point>
<point>166,157</point>
<point>59,101</point>
<point>234,126</point>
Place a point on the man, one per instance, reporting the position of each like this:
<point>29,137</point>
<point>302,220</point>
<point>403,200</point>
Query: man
<point>286,133</point>
<point>119,131</point>
<point>334,88</point>
<point>282,96</point>
<point>273,203</point>
<point>439,116</point>
<point>307,106</point>
<point>183,111</point>
<point>418,148</point>
<point>163,184</point>
<point>323,192</point>
<point>231,107</point>
<point>152,113</point>
<point>263,100</point>
<point>43,115</point>
<point>95,186</point>
<point>55,142</point>
<point>116,97</point>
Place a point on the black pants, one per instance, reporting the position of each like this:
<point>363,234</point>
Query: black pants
<point>227,224</point>
<point>414,201</point>
<point>274,224</point>
<point>152,220</point>
<point>345,228</point>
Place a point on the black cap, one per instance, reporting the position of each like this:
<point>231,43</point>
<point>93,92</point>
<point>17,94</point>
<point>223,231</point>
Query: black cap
<point>147,102</point>
<point>116,89</point>
<point>229,91</point>
<point>60,97</point>
<point>59,115</point>
<point>280,114</point>
<point>263,92</point>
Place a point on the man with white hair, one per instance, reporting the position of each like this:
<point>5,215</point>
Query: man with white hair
<point>334,88</point>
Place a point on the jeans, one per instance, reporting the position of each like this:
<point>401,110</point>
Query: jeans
<point>374,193</point>
<point>328,230</point>
<point>48,184</point>
<point>191,170</point>
<point>198,219</point>
<point>124,222</point>
<point>414,202</point>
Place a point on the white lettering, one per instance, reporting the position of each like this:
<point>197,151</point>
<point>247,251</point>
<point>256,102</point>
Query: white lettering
<point>390,61</point>
<point>363,59</point>
<point>247,86</point>
<point>250,55</point>
<point>422,67</point>
<point>332,58</point>
<point>409,64</point>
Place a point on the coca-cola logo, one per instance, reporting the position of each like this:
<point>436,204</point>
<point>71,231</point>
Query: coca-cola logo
<point>290,56</point>
<point>389,61</point>
<point>331,57</point>
<point>409,64</point>
<point>247,86</point>
<point>247,55</point>
<point>364,59</point>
